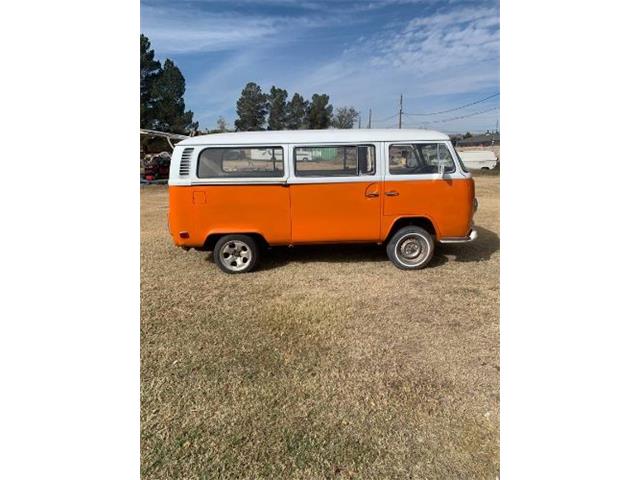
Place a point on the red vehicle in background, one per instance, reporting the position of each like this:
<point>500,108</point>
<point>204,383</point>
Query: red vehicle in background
<point>156,167</point>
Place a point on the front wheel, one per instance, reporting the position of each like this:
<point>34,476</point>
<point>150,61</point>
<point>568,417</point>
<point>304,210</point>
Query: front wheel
<point>235,253</point>
<point>410,248</point>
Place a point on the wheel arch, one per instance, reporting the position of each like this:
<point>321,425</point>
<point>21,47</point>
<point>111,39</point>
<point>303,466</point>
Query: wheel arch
<point>417,221</point>
<point>213,237</point>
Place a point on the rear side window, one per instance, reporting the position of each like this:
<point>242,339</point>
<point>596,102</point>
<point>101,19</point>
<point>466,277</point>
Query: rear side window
<point>338,161</point>
<point>420,158</point>
<point>241,162</point>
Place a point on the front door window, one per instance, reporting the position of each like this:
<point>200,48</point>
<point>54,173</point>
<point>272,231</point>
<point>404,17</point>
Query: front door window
<point>420,159</point>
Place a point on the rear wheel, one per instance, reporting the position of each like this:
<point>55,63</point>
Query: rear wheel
<point>236,253</point>
<point>410,248</point>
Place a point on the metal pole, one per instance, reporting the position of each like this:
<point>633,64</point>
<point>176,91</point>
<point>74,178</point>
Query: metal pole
<point>369,126</point>
<point>400,116</point>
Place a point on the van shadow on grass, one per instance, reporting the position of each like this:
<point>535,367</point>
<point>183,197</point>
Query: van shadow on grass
<point>481,250</point>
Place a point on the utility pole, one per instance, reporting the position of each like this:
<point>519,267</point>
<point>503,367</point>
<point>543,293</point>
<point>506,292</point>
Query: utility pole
<point>369,124</point>
<point>359,120</point>
<point>400,114</point>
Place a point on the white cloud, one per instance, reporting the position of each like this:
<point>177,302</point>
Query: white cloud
<point>459,38</point>
<point>184,31</point>
<point>450,53</point>
<point>430,59</point>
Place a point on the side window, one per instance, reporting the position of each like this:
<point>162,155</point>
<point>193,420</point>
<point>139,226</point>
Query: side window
<point>419,158</point>
<point>403,159</point>
<point>445,159</point>
<point>366,159</point>
<point>338,161</point>
<point>241,162</point>
<point>430,154</point>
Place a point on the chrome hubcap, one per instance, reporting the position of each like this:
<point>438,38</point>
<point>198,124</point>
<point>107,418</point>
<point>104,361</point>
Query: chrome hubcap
<point>235,255</point>
<point>412,249</point>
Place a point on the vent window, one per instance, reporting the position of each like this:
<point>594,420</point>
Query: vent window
<point>185,161</point>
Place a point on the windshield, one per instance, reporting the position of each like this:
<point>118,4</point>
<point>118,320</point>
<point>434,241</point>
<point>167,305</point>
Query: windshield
<point>462,165</point>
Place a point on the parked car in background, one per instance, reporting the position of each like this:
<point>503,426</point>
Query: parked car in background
<point>479,159</point>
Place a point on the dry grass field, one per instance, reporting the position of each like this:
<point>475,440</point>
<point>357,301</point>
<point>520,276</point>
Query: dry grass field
<point>326,362</point>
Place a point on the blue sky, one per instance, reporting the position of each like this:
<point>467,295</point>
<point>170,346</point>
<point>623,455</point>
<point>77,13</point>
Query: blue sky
<point>438,54</point>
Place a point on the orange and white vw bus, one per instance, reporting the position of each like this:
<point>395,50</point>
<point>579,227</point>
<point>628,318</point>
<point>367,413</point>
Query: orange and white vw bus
<point>235,192</point>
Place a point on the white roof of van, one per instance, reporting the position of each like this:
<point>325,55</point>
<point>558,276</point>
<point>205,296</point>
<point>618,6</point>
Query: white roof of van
<point>321,136</point>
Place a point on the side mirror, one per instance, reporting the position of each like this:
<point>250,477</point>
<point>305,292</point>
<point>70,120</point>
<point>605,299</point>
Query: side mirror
<point>441,169</point>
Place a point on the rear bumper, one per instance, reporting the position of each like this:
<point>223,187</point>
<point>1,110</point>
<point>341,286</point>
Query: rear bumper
<point>473,234</point>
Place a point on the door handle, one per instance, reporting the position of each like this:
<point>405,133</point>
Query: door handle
<point>372,194</point>
<point>392,193</point>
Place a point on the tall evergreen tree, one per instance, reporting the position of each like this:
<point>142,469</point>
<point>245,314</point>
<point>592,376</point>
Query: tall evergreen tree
<point>149,72</point>
<point>297,112</point>
<point>251,108</point>
<point>277,105</point>
<point>169,109</point>
<point>345,117</point>
<point>320,112</point>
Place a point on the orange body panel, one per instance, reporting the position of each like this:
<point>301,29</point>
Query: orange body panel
<point>335,212</point>
<point>209,209</point>
<point>447,203</point>
<point>318,212</point>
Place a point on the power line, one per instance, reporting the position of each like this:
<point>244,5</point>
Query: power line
<point>378,122</point>
<point>453,109</point>
<point>443,120</point>
<point>388,118</point>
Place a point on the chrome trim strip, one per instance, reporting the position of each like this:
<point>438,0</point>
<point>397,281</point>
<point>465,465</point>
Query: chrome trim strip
<point>472,236</point>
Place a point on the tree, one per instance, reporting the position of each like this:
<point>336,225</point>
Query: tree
<point>296,113</point>
<point>251,108</point>
<point>467,135</point>
<point>221,124</point>
<point>277,105</point>
<point>319,112</point>
<point>169,110</point>
<point>149,72</point>
<point>345,117</point>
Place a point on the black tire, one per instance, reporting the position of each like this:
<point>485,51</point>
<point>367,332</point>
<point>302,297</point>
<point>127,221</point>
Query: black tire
<point>236,253</point>
<point>417,244</point>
